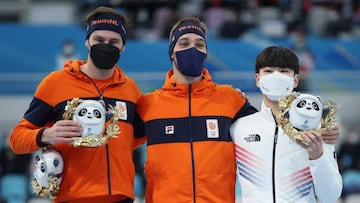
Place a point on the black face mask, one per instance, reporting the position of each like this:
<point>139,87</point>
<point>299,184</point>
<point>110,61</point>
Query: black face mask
<point>104,56</point>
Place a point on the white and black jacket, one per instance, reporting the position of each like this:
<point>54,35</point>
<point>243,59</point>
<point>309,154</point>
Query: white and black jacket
<point>273,168</point>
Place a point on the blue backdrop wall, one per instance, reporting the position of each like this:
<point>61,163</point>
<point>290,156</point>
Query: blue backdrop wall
<point>27,53</point>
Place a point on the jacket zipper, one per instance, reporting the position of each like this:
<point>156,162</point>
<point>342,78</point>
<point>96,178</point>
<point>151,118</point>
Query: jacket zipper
<point>108,168</point>
<point>191,145</point>
<point>273,163</point>
<point>101,100</point>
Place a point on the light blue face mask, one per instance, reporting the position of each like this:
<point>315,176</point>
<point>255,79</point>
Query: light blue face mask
<point>190,61</point>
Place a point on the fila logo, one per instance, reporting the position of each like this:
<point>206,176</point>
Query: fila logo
<point>253,138</point>
<point>169,130</point>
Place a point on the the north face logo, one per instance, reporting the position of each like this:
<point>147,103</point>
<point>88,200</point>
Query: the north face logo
<point>253,138</point>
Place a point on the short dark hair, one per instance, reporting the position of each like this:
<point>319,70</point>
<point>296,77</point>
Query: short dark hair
<point>277,56</point>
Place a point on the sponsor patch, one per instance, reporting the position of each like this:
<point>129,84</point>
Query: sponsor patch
<point>122,110</point>
<point>169,130</point>
<point>253,138</point>
<point>212,128</point>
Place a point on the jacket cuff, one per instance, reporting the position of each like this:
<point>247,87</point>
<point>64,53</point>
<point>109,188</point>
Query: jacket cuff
<point>38,139</point>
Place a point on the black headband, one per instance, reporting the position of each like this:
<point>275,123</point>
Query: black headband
<point>106,21</point>
<point>184,28</point>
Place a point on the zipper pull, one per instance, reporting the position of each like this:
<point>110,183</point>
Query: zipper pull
<point>276,134</point>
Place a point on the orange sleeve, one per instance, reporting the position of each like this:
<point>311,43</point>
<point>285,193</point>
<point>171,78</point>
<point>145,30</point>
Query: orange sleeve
<point>23,137</point>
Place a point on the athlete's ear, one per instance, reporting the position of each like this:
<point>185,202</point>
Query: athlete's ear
<point>87,45</point>
<point>296,80</point>
<point>122,48</point>
<point>172,57</point>
<point>257,78</point>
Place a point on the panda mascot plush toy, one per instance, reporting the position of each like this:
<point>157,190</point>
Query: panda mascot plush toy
<point>49,166</point>
<point>300,111</point>
<point>306,112</point>
<point>91,115</point>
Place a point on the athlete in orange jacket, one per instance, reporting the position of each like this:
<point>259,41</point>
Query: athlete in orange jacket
<point>91,174</point>
<point>190,154</point>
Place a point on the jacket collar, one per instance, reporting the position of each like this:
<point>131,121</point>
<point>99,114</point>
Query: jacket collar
<point>183,89</point>
<point>73,67</point>
<point>267,113</point>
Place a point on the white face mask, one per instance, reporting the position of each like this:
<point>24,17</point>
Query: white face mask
<point>276,85</point>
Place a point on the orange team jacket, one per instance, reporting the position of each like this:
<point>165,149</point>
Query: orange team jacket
<point>190,154</point>
<point>104,174</point>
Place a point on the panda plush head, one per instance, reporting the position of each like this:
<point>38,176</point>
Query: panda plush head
<point>48,163</point>
<point>91,115</point>
<point>306,112</point>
